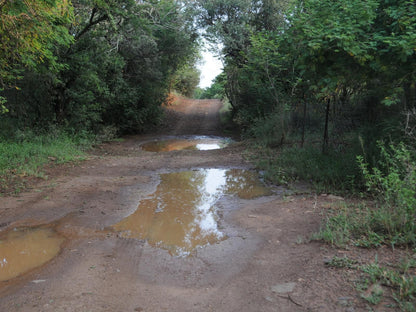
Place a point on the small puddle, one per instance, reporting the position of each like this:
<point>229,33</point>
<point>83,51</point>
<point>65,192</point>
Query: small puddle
<point>180,215</point>
<point>22,250</point>
<point>201,143</point>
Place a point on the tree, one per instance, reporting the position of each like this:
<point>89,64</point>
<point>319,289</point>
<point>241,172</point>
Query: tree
<point>233,22</point>
<point>216,90</point>
<point>185,80</point>
<point>116,71</point>
<point>30,32</point>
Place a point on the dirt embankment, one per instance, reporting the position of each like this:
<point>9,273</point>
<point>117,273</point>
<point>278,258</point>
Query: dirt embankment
<point>267,263</point>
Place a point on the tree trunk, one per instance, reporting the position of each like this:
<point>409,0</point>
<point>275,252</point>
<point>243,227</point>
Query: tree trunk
<point>326,137</point>
<point>304,124</point>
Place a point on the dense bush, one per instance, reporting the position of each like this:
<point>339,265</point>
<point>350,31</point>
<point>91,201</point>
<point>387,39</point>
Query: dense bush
<point>215,91</point>
<point>391,219</point>
<point>113,65</point>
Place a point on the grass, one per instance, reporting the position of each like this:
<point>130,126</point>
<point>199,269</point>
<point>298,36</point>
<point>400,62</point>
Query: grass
<point>27,154</point>
<point>387,217</point>
<point>362,226</point>
<point>327,172</point>
<point>352,224</point>
<point>400,280</point>
<point>379,282</point>
<point>391,217</point>
<point>341,262</point>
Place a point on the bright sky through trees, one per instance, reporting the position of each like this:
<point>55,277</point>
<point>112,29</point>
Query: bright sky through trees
<point>210,67</point>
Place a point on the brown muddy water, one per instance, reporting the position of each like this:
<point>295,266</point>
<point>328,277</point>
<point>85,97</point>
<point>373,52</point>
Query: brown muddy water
<point>22,250</point>
<point>201,143</point>
<point>181,214</point>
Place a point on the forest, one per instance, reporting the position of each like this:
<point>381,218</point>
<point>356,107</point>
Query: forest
<point>323,91</point>
<point>91,65</point>
<point>291,67</point>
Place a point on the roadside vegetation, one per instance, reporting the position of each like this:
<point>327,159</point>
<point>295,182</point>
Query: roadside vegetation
<point>74,73</point>
<point>26,154</point>
<point>326,92</point>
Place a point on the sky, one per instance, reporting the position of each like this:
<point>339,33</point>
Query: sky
<point>210,67</point>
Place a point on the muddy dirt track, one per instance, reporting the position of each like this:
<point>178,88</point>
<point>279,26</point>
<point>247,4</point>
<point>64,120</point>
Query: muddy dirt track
<point>266,263</point>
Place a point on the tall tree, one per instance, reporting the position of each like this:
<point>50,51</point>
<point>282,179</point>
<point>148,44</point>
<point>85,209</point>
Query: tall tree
<point>117,68</point>
<point>30,32</point>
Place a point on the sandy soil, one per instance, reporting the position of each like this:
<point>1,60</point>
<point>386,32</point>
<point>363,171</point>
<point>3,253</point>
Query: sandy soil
<point>267,263</point>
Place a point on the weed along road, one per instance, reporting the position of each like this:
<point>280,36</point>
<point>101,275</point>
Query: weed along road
<point>172,221</point>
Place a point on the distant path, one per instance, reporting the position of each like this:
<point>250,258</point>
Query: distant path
<point>200,117</point>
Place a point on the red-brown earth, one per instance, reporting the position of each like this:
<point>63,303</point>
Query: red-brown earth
<point>266,263</point>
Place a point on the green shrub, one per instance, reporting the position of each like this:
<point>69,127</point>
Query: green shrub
<point>28,153</point>
<point>402,283</point>
<point>392,218</point>
<point>328,172</point>
<point>393,184</point>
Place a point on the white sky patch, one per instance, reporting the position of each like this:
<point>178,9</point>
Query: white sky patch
<point>210,68</point>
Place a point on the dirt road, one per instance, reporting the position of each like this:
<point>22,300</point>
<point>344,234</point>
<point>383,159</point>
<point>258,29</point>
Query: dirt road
<point>266,263</point>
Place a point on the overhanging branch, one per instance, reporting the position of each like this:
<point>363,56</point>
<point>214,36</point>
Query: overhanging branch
<point>91,23</point>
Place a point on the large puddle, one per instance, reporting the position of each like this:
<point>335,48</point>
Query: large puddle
<point>180,215</point>
<point>201,143</point>
<point>22,250</point>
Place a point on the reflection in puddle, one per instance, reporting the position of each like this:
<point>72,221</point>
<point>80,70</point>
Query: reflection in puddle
<point>201,143</point>
<point>22,250</point>
<point>180,214</point>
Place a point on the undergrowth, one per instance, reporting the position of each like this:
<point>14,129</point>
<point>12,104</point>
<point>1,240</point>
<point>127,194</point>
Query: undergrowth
<point>326,172</point>
<point>388,217</point>
<point>377,282</point>
<point>26,154</point>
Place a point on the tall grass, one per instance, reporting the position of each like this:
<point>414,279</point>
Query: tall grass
<point>327,172</point>
<point>392,217</point>
<point>25,154</point>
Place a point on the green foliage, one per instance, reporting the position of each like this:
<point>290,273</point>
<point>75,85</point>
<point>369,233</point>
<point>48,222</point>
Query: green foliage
<point>348,64</point>
<point>268,130</point>
<point>115,71</point>
<point>3,108</point>
<point>402,282</point>
<point>393,184</point>
<point>328,172</point>
<point>31,31</point>
<point>27,153</point>
<point>392,219</point>
<point>216,90</point>
<point>90,69</point>
<point>186,80</point>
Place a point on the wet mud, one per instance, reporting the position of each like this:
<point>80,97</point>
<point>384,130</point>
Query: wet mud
<point>181,214</point>
<point>200,143</point>
<point>24,249</point>
<point>175,230</point>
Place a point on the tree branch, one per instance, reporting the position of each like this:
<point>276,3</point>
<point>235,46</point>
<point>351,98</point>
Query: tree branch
<point>91,23</point>
<point>2,4</point>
